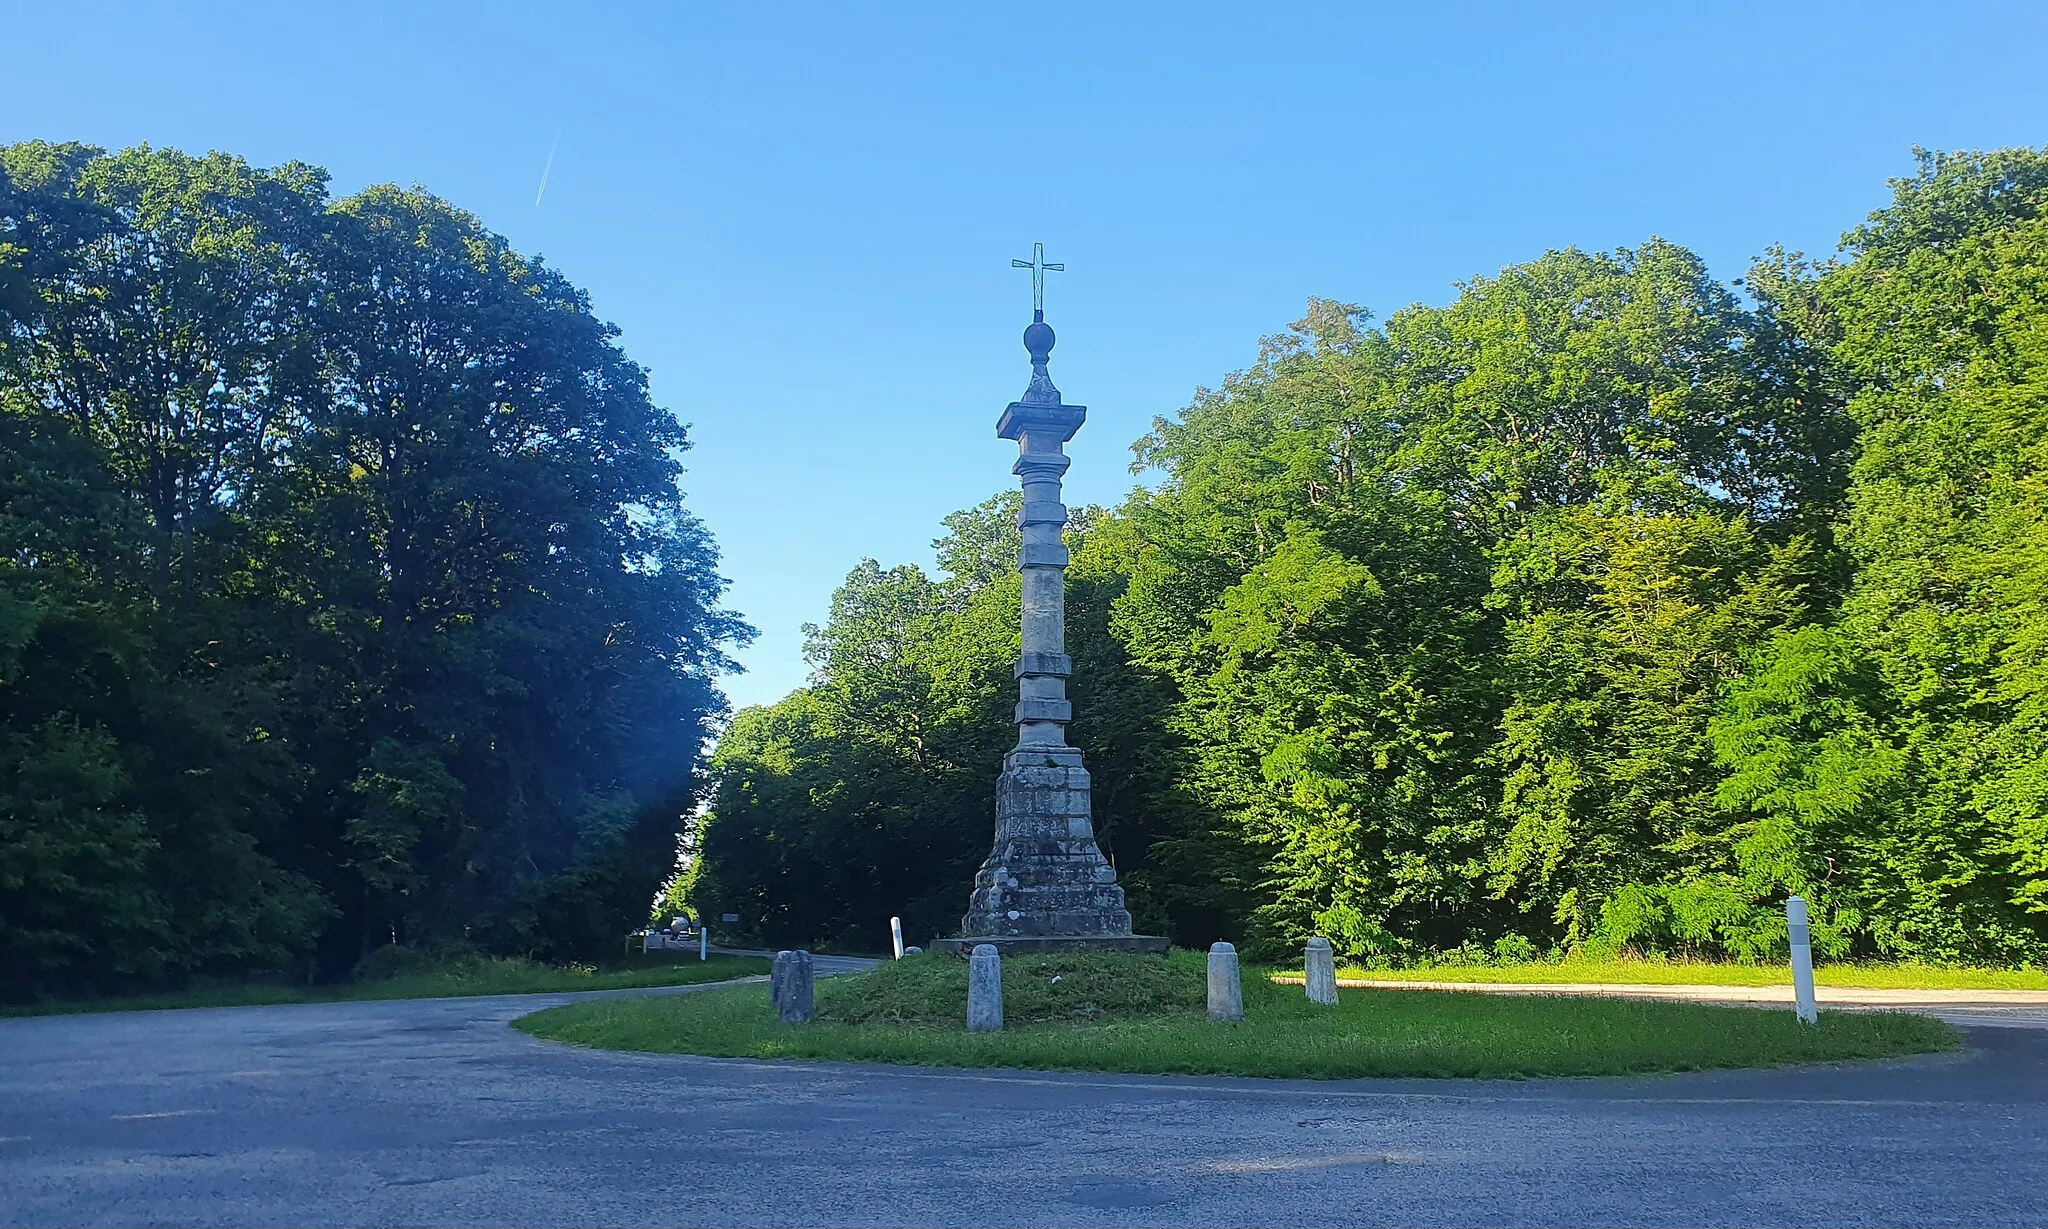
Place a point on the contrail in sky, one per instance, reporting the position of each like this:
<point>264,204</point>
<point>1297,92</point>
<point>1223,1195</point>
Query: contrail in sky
<point>544,171</point>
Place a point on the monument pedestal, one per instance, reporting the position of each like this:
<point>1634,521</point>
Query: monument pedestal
<point>1046,887</point>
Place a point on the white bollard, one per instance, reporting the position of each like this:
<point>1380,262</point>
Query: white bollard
<point>703,941</point>
<point>1226,994</point>
<point>896,935</point>
<point>1802,959</point>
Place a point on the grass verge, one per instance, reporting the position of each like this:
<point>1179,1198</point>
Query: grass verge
<point>1130,1014</point>
<point>461,978</point>
<point>1705,973</point>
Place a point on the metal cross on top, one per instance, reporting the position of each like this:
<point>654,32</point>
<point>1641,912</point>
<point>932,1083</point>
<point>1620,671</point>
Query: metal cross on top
<point>1038,267</point>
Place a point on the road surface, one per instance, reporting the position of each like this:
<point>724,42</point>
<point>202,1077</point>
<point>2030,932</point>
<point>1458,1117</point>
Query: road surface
<point>434,1112</point>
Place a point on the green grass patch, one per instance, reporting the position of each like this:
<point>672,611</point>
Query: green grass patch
<point>1707,973</point>
<point>1141,1014</point>
<point>931,991</point>
<point>447,977</point>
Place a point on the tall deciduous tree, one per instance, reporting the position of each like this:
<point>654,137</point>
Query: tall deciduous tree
<point>346,587</point>
<point>1892,762</point>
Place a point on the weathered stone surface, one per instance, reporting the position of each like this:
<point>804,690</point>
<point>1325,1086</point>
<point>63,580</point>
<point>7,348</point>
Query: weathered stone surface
<point>1226,994</point>
<point>1045,874</point>
<point>789,987</point>
<point>1319,964</point>
<point>984,990</point>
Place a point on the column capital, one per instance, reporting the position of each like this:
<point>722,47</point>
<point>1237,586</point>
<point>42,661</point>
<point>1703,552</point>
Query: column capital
<point>1040,425</point>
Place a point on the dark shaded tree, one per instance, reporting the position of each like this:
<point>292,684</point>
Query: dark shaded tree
<point>346,587</point>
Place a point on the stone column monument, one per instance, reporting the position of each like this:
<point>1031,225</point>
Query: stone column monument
<point>1045,885</point>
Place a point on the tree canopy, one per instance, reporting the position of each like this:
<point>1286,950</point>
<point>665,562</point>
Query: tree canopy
<point>347,591</point>
<point>348,597</point>
<point>1603,606</point>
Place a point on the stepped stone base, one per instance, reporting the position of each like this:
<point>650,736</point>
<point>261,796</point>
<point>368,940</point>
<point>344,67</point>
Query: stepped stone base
<point>1031,945</point>
<point>1045,877</point>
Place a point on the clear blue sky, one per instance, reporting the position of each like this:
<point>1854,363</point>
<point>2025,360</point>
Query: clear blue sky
<point>802,217</point>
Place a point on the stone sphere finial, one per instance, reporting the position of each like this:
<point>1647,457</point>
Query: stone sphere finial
<point>1038,339</point>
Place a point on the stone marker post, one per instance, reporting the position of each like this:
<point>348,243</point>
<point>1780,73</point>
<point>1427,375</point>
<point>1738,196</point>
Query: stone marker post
<point>1226,995</point>
<point>985,989</point>
<point>1319,966</point>
<point>789,987</point>
<point>896,935</point>
<point>1802,960</point>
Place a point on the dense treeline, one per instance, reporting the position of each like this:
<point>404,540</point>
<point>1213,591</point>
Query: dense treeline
<point>1604,606</point>
<point>347,596</point>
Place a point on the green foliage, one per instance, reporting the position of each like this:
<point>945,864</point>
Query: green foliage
<point>1891,764</point>
<point>870,793</point>
<point>1448,603</point>
<point>1597,610</point>
<point>346,592</point>
<point>843,805</point>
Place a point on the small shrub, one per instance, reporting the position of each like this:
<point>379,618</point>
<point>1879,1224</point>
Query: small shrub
<point>1514,949</point>
<point>394,961</point>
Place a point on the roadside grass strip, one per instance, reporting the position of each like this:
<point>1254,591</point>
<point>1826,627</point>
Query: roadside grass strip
<point>1711,973</point>
<point>1139,1015</point>
<point>455,979</point>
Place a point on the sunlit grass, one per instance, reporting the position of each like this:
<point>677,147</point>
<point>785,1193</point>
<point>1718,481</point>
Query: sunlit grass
<point>914,1013</point>
<point>475,976</point>
<point>1707,973</point>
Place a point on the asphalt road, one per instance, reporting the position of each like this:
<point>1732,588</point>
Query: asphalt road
<point>434,1112</point>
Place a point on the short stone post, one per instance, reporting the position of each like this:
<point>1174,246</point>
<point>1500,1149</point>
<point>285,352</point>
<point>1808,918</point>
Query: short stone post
<point>1802,960</point>
<point>896,935</point>
<point>1226,995</point>
<point>790,987</point>
<point>1319,968</point>
<point>985,989</point>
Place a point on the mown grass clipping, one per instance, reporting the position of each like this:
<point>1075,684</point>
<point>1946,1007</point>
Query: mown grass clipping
<point>1145,1014</point>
